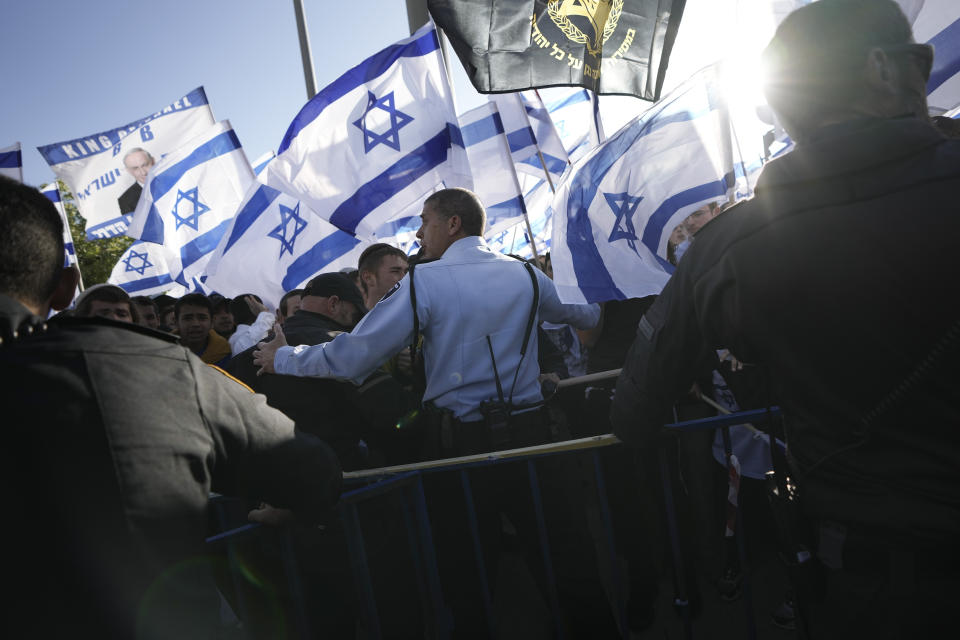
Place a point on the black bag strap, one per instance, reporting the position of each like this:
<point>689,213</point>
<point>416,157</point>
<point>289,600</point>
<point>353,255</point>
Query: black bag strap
<point>531,319</point>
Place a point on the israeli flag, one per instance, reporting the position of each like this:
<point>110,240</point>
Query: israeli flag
<point>11,162</point>
<point>937,22</point>
<point>275,244</point>
<point>261,163</point>
<point>53,195</point>
<point>190,198</point>
<point>494,179</point>
<point>531,134</point>
<point>614,213</point>
<point>99,168</point>
<point>142,270</point>
<point>375,140</point>
<point>576,117</point>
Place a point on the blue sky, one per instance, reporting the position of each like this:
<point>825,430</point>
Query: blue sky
<point>72,68</point>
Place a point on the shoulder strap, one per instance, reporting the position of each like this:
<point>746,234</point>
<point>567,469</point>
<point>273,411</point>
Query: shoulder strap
<point>530,325</point>
<point>416,319</point>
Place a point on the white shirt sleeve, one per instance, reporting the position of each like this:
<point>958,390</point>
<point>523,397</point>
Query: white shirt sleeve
<point>247,336</point>
<point>382,333</point>
<point>579,316</point>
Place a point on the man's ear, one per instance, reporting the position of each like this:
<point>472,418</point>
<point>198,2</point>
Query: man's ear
<point>66,288</point>
<point>454,224</point>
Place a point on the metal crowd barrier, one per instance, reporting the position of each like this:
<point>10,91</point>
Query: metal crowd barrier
<point>407,479</point>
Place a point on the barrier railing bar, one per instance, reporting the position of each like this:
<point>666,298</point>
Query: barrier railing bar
<point>551,582</point>
<point>292,573</point>
<point>442,620</point>
<point>739,533</point>
<point>478,552</point>
<point>378,488</point>
<point>606,518</point>
<point>682,598</point>
<point>224,535</point>
<point>728,420</point>
<point>369,620</point>
<point>413,542</point>
<point>590,377</point>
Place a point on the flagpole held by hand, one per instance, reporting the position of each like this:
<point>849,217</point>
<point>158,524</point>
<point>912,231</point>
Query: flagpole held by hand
<point>265,352</point>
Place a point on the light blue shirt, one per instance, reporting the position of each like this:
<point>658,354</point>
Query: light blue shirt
<point>470,293</point>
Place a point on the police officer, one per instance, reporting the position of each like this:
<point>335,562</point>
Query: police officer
<point>470,301</point>
<point>835,282</point>
<point>476,309</point>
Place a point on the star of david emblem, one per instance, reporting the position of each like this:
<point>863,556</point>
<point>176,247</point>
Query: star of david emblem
<point>624,206</point>
<point>283,230</point>
<point>191,197</point>
<point>135,255</point>
<point>398,120</point>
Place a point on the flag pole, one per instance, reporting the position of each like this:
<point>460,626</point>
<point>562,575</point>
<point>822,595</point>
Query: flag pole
<point>308,74</point>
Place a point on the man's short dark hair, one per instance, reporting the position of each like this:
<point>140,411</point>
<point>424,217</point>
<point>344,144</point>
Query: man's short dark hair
<point>814,64</point>
<point>241,310</point>
<point>463,203</point>
<point>146,301</point>
<point>194,300</point>
<point>104,293</point>
<point>31,243</point>
<point>283,301</point>
<point>372,257</point>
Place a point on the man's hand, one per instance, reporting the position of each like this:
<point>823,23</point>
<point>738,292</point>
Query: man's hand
<point>255,307</point>
<point>273,516</point>
<point>264,354</point>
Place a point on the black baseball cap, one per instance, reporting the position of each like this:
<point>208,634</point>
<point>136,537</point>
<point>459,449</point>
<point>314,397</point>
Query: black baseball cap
<point>334,284</point>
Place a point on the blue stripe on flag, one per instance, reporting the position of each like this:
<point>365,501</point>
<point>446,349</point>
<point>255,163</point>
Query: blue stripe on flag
<point>146,283</point>
<point>482,129</point>
<point>52,193</point>
<point>946,60</point>
<point>224,143</point>
<point>11,159</point>
<point>521,139</point>
<point>587,262</point>
<point>659,218</point>
<point>579,96</point>
<point>510,206</point>
<point>554,164</point>
<point>247,216</point>
<point>202,244</point>
<point>321,254</point>
<point>403,173</point>
<point>358,76</point>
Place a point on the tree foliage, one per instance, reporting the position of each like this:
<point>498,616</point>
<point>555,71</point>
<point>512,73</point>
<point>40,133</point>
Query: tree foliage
<point>96,257</point>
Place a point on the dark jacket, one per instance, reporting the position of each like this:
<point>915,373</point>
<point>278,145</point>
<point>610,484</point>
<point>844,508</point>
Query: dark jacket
<point>838,280</point>
<point>114,437</point>
<point>338,412</point>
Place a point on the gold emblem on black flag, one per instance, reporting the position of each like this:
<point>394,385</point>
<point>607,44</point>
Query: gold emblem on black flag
<point>589,23</point>
<point>599,16</point>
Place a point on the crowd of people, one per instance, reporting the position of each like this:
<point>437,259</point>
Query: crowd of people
<point>827,294</point>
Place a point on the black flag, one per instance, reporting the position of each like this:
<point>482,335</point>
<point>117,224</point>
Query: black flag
<point>608,46</point>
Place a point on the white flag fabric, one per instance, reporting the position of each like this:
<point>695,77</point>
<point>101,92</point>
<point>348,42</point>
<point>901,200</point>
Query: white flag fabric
<point>93,166</point>
<point>494,179</point>
<point>142,270</point>
<point>375,140</point>
<point>576,117</point>
<point>938,23</point>
<point>53,195</point>
<point>275,244</point>
<point>261,163</point>
<point>11,162</point>
<point>190,198</point>
<point>614,213</point>
<point>531,134</point>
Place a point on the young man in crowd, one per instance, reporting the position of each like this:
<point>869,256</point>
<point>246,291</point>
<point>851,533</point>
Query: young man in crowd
<point>194,315</point>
